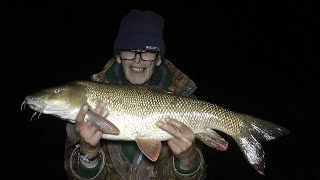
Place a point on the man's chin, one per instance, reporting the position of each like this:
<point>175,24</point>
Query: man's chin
<point>138,79</point>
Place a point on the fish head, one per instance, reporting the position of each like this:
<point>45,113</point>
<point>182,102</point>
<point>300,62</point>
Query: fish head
<point>63,101</point>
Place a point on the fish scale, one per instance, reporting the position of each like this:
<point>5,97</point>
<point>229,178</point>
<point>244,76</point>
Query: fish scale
<point>139,102</point>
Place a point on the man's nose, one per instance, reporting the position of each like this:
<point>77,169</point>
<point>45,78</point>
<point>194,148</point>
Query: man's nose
<point>137,58</point>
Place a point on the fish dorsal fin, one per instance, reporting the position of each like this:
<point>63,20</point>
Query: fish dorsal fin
<point>150,148</point>
<point>212,139</point>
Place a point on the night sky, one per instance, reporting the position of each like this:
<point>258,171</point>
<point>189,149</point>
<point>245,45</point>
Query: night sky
<point>253,58</point>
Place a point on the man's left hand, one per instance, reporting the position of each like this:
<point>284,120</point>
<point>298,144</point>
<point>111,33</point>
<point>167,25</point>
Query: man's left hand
<point>183,142</point>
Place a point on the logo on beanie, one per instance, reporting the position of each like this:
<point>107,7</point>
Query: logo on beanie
<point>152,48</point>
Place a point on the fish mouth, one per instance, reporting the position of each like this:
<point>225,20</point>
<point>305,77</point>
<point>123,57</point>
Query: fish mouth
<point>37,106</point>
<point>34,103</point>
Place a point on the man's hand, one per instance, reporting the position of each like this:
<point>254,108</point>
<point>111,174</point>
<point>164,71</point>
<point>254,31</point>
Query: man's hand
<point>183,142</point>
<point>89,135</point>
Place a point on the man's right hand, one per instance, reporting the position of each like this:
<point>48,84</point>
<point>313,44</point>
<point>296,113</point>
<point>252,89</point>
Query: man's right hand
<point>89,135</point>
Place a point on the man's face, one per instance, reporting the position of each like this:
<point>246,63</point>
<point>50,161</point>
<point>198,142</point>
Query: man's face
<point>138,66</point>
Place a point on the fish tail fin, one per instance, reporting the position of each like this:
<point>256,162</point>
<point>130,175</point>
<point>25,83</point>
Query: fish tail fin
<point>248,139</point>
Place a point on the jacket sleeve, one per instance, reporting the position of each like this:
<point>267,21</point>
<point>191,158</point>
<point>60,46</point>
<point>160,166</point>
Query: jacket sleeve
<point>71,159</point>
<point>165,167</point>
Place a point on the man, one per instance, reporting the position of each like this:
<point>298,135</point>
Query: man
<point>139,58</point>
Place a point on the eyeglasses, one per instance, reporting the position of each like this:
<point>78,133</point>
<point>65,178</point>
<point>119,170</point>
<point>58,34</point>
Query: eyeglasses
<point>144,55</point>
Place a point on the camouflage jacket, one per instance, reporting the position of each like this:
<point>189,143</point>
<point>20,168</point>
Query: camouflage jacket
<point>115,161</point>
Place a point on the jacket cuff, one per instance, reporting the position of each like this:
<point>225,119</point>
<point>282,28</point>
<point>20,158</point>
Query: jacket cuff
<point>80,171</point>
<point>193,171</point>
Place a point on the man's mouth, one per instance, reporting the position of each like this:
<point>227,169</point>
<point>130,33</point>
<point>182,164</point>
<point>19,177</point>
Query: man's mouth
<point>137,69</point>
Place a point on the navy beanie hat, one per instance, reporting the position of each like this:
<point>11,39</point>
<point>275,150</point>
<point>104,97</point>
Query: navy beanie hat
<point>141,30</point>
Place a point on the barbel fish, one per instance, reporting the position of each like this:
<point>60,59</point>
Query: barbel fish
<point>134,111</point>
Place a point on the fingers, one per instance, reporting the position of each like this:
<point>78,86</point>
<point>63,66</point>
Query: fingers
<point>182,143</point>
<point>178,146</point>
<point>175,148</point>
<point>178,130</point>
<point>88,133</point>
<point>105,113</point>
<point>85,130</point>
<point>81,114</point>
<point>174,122</point>
<point>100,107</point>
<point>91,135</point>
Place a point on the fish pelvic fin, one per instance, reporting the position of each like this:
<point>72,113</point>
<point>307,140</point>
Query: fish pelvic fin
<point>252,131</point>
<point>212,139</point>
<point>149,147</point>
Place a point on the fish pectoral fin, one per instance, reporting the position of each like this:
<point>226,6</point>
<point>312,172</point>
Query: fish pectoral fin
<point>149,147</point>
<point>213,139</point>
<point>103,124</point>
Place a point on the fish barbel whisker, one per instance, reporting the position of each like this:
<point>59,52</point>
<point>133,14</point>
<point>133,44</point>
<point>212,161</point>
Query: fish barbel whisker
<point>23,105</point>
<point>35,113</point>
<point>40,112</point>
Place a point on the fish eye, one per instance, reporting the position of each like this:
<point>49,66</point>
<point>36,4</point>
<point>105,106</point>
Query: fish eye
<point>56,91</point>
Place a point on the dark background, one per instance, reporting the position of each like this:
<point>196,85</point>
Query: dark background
<point>255,58</point>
